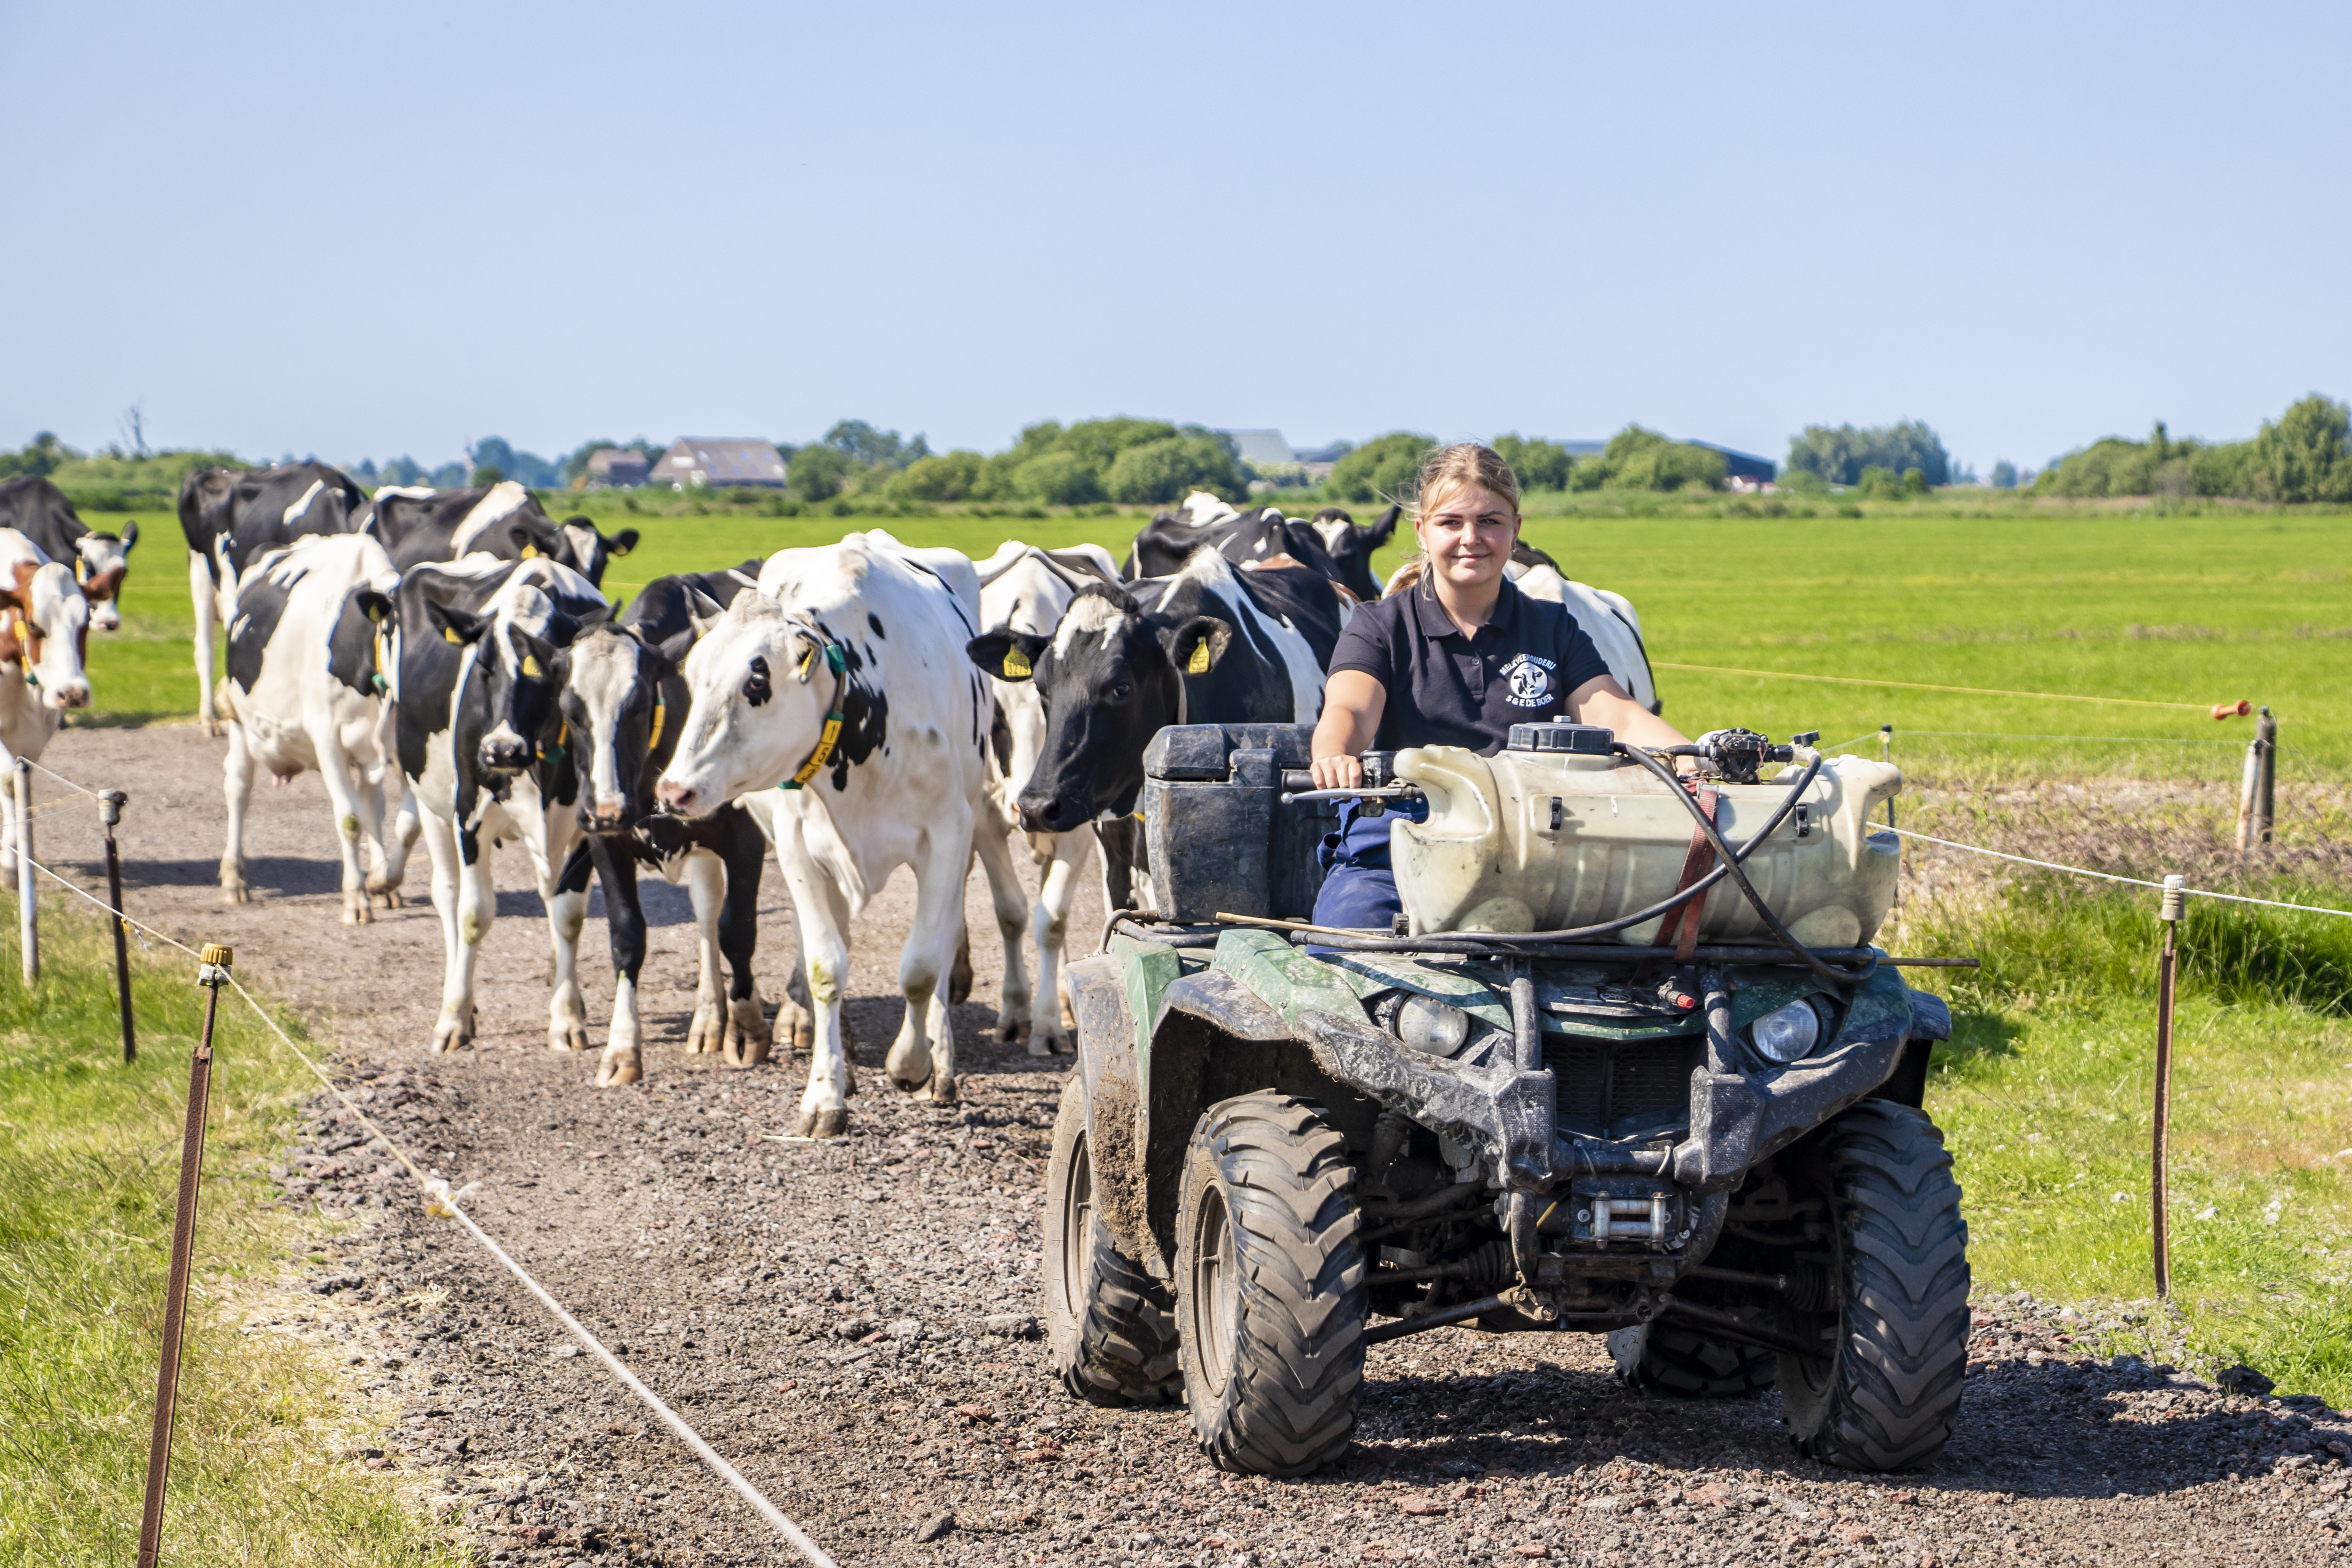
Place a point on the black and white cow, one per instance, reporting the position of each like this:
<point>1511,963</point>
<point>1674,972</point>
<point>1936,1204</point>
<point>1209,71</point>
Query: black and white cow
<point>625,705</point>
<point>504,519</point>
<point>838,675</point>
<point>1332,544</point>
<point>40,512</point>
<point>302,693</point>
<point>233,516</point>
<point>479,733</point>
<point>1208,646</point>
<point>1025,590</point>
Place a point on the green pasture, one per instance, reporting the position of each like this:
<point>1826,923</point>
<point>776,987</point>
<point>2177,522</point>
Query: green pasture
<point>2190,608</point>
<point>2046,1090</point>
<point>89,1157</point>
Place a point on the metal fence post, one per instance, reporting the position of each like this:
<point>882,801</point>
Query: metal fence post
<point>2257,791</point>
<point>2168,912</point>
<point>211,973</point>
<point>110,813</point>
<point>28,920</point>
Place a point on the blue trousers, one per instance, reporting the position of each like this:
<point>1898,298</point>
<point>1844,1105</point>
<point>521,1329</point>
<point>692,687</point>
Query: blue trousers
<point>1359,885</point>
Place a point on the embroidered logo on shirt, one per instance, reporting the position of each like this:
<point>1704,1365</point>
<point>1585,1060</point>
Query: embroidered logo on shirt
<point>1529,681</point>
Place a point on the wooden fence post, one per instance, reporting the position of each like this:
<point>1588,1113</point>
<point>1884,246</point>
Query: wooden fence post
<point>211,973</point>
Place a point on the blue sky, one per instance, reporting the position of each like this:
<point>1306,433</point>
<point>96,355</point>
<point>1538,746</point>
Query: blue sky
<point>373,229</point>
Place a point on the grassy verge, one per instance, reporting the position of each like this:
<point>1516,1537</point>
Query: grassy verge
<point>88,1164</point>
<point>2046,1089</point>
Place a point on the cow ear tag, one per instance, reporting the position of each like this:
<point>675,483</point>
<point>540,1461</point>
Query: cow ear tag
<point>1016,665</point>
<point>530,552</point>
<point>1199,663</point>
<point>530,667</point>
<point>450,633</point>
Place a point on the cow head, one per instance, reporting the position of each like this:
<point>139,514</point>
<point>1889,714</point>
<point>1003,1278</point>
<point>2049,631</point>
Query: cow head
<point>758,686</point>
<point>519,647</point>
<point>1111,677</point>
<point>44,628</point>
<point>620,702</point>
<point>588,551</point>
<point>101,561</point>
<point>1352,547</point>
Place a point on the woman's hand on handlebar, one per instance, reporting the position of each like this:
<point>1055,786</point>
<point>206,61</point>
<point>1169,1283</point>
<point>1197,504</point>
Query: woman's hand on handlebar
<point>1342,770</point>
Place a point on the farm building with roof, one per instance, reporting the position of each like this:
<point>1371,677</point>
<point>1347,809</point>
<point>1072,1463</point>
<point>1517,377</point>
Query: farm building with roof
<point>697,460</point>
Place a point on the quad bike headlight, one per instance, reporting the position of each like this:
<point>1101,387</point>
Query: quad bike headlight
<point>1787,1034</point>
<point>1425,1023</point>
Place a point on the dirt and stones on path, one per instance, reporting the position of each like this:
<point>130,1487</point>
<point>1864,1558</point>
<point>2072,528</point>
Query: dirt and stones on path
<point>852,1323</point>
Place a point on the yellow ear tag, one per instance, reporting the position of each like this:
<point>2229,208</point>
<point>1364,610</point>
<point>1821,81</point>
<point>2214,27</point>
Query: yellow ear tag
<point>1016,665</point>
<point>1199,664</point>
<point>450,632</point>
<point>807,658</point>
<point>530,667</point>
<point>530,552</point>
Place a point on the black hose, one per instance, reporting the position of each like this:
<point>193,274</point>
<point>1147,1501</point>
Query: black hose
<point>1730,862</point>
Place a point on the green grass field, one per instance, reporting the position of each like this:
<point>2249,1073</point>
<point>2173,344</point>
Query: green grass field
<point>2187,609</point>
<point>89,1154</point>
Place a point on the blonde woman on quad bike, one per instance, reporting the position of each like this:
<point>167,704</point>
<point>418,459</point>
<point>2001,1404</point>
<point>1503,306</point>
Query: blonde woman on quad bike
<point>1452,656</point>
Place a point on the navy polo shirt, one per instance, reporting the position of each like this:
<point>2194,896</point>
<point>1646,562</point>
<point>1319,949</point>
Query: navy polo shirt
<point>1446,690</point>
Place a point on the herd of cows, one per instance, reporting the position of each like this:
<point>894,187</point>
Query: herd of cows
<point>850,709</point>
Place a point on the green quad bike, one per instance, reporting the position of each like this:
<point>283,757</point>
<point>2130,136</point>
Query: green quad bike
<point>1552,1097</point>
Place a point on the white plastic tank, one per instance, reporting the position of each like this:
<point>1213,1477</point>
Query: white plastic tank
<point>1490,858</point>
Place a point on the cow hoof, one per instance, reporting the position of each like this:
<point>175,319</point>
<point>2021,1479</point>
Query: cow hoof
<point>1040,1046</point>
<point>938,1091</point>
<point>1069,1019</point>
<point>1009,1030</point>
<point>357,913</point>
<point>567,1037</point>
<point>388,897</point>
<point>452,1033</point>
<point>616,1070</point>
<point>235,893</point>
<point>822,1124</point>
<point>738,1052</point>
<point>708,1032</point>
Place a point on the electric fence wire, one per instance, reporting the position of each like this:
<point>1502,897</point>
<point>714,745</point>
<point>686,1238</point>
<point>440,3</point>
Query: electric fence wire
<point>2105,875</point>
<point>1926,686</point>
<point>441,1203</point>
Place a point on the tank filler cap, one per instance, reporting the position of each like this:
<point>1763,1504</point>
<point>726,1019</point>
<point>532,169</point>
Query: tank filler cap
<point>1584,740</point>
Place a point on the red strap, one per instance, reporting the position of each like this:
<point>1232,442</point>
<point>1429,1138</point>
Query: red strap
<point>1694,866</point>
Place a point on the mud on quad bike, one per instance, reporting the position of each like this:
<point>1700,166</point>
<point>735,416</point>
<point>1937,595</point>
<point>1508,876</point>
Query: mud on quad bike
<point>1625,1064</point>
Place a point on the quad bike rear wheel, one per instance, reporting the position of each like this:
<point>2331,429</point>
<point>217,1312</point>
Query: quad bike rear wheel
<point>1109,1327</point>
<point>1271,1290</point>
<point>1896,1323</point>
<point>1658,1358</point>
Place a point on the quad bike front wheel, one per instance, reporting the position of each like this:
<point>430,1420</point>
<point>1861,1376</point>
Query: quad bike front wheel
<point>1270,1292</point>
<point>1110,1332</point>
<point>1659,1358</point>
<point>1895,1326</point>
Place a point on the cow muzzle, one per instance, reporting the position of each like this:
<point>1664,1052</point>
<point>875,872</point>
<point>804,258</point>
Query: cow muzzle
<point>1052,814</point>
<point>504,756</point>
<point>678,800</point>
<point>68,695</point>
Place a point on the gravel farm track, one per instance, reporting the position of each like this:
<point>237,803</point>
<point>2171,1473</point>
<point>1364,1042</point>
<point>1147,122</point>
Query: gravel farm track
<point>852,1323</point>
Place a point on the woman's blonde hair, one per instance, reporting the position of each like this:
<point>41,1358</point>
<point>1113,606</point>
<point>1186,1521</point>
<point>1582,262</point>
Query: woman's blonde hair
<point>1447,469</point>
<point>1464,463</point>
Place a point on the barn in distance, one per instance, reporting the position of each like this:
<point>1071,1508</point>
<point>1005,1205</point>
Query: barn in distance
<point>697,460</point>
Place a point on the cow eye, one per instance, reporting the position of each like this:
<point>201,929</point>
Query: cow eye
<point>1121,691</point>
<point>758,688</point>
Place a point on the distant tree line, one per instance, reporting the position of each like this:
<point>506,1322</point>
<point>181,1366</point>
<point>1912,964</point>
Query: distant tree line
<point>1388,467</point>
<point>2303,455</point>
